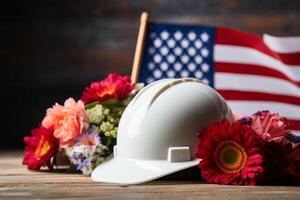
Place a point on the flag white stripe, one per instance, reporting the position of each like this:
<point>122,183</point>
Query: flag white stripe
<point>282,44</point>
<point>254,83</point>
<point>296,132</point>
<point>245,55</point>
<point>249,107</point>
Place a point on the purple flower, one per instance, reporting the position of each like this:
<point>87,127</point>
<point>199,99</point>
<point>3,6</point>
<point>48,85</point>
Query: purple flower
<point>245,121</point>
<point>293,138</point>
<point>84,164</point>
<point>260,113</point>
<point>87,152</point>
<point>89,139</point>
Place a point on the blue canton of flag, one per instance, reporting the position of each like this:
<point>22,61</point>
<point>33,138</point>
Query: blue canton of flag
<point>174,51</point>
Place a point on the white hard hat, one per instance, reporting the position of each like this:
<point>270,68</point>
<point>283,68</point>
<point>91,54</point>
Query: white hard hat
<point>157,133</point>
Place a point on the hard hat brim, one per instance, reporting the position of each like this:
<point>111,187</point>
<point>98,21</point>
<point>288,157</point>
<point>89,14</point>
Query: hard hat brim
<point>129,171</point>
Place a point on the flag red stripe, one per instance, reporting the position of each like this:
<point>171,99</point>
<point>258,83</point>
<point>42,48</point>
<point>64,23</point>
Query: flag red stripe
<point>294,124</point>
<point>234,37</point>
<point>258,96</point>
<point>237,68</point>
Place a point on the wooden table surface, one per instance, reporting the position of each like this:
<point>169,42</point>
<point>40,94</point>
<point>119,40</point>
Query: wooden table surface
<point>16,182</point>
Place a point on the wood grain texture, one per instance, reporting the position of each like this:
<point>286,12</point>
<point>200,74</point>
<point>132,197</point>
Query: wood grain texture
<point>16,182</point>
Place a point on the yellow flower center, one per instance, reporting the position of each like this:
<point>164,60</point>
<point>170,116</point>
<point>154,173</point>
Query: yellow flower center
<point>107,91</point>
<point>230,157</point>
<point>42,148</point>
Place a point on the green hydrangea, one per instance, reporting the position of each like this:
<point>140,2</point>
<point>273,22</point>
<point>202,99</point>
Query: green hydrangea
<point>97,114</point>
<point>105,116</point>
<point>109,129</point>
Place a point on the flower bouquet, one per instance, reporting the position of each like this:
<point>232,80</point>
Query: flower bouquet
<point>83,131</point>
<point>250,150</point>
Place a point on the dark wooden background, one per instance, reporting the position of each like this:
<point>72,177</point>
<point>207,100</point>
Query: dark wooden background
<point>51,50</point>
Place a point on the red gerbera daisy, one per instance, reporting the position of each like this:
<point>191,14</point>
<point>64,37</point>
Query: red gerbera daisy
<point>40,148</point>
<point>114,86</point>
<point>230,154</point>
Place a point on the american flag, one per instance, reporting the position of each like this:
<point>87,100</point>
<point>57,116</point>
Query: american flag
<point>251,72</point>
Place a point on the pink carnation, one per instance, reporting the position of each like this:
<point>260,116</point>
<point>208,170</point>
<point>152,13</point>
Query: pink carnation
<point>68,121</point>
<point>270,126</point>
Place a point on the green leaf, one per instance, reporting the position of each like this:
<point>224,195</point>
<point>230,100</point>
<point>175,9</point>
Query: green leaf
<point>91,105</point>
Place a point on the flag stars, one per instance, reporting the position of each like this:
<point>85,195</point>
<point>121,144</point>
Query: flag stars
<point>178,35</point>
<point>198,59</point>
<point>151,50</point>
<point>205,67</point>
<point>157,42</point>
<point>151,65</point>
<point>204,37</point>
<point>198,44</point>
<point>171,43</point>
<point>192,35</point>
<point>184,73</point>
<point>164,35</point>
<point>152,35</point>
<point>171,74</point>
<point>184,59</point>
<point>184,43</point>
<point>191,51</point>
<point>179,54</point>
<point>164,50</point>
<point>157,58</point>
<point>157,74</point>
<point>198,74</point>
<point>204,52</point>
<point>177,66</point>
<point>150,80</point>
<point>164,66</point>
<point>178,51</point>
<point>191,67</point>
<point>171,58</point>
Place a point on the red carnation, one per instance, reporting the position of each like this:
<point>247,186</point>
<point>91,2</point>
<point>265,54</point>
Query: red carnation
<point>40,148</point>
<point>269,126</point>
<point>230,154</point>
<point>281,163</point>
<point>276,161</point>
<point>294,165</point>
<point>114,86</point>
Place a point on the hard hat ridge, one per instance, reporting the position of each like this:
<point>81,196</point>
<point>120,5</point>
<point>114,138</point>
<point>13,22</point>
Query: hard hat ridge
<point>157,134</point>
